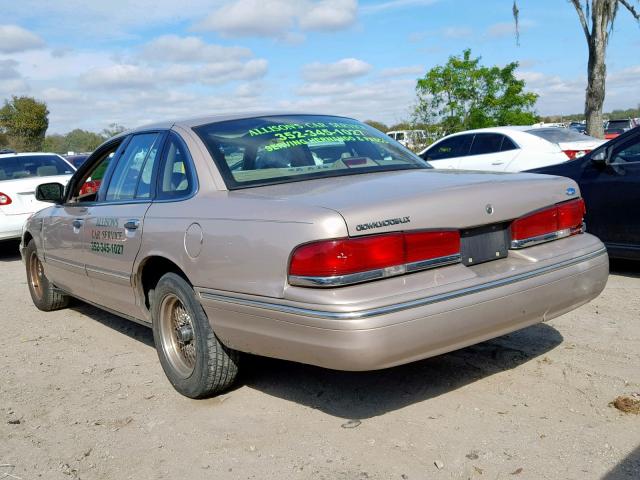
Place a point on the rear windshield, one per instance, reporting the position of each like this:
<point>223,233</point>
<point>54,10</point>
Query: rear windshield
<point>557,135</point>
<point>617,124</point>
<point>280,149</point>
<point>27,166</point>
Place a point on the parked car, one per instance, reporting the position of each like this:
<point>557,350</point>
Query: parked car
<point>609,178</point>
<point>412,139</point>
<point>20,174</point>
<point>77,159</point>
<point>508,149</point>
<point>315,239</point>
<point>579,127</point>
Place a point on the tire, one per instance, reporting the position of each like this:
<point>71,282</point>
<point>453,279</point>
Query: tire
<point>196,363</point>
<point>44,296</point>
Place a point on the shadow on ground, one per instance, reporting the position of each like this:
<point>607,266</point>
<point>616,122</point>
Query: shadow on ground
<point>360,395</point>
<point>627,469</point>
<point>9,250</point>
<point>627,268</point>
<point>119,324</point>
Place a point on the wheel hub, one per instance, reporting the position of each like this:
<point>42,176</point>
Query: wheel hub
<point>184,333</point>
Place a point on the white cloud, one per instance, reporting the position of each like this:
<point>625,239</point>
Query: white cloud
<point>508,29</point>
<point>412,70</point>
<point>560,95</point>
<point>173,48</point>
<point>324,88</point>
<point>15,39</point>
<point>342,69</point>
<point>279,18</point>
<point>395,4</point>
<point>8,69</point>
<point>118,76</point>
<point>456,32</point>
<point>329,15</point>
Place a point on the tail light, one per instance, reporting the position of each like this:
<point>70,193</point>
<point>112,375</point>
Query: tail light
<point>344,261</point>
<point>561,220</point>
<point>573,154</point>
<point>90,186</point>
<point>5,199</point>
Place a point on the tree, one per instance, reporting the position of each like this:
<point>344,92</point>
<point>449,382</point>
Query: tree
<point>112,130</point>
<point>24,121</point>
<point>596,30</point>
<point>462,95</point>
<point>377,125</point>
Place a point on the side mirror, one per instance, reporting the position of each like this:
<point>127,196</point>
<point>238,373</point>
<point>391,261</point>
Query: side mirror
<point>50,192</point>
<point>602,157</point>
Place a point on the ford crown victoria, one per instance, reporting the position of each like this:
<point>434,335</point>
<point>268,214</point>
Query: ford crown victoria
<point>309,238</point>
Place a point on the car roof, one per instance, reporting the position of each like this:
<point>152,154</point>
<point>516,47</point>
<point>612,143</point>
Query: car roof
<point>27,154</point>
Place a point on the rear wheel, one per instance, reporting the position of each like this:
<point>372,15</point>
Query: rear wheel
<point>196,363</point>
<point>44,296</point>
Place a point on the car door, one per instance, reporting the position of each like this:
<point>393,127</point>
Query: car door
<point>113,226</point>
<point>489,151</point>
<point>447,152</point>
<point>612,195</point>
<point>63,230</point>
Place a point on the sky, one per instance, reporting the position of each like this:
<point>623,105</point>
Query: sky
<point>136,62</point>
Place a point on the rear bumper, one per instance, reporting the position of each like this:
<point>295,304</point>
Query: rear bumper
<point>399,333</point>
<point>11,225</point>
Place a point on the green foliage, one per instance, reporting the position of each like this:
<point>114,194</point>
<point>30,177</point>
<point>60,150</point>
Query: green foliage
<point>24,122</point>
<point>462,94</point>
<point>377,125</point>
<point>75,141</point>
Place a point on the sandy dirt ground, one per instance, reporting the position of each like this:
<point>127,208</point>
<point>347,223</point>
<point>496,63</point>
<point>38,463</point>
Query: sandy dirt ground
<point>82,395</point>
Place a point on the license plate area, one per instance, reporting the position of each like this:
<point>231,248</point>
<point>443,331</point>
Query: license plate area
<point>484,244</point>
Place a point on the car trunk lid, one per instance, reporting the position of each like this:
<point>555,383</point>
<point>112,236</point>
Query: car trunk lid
<point>426,199</point>
<point>22,194</point>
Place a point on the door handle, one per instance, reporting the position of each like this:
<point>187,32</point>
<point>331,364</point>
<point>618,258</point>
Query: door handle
<point>497,163</point>
<point>77,223</point>
<point>132,224</point>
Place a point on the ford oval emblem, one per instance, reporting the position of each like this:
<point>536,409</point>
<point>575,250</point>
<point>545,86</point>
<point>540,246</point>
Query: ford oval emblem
<point>489,209</point>
<point>571,191</point>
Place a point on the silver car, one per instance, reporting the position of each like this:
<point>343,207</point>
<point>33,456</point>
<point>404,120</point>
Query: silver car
<point>309,238</point>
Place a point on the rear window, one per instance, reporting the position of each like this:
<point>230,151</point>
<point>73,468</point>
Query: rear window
<point>27,166</point>
<point>612,124</point>
<point>280,149</point>
<point>558,135</point>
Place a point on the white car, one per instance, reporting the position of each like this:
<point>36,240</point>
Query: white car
<point>508,149</point>
<point>20,174</point>
<point>409,138</point>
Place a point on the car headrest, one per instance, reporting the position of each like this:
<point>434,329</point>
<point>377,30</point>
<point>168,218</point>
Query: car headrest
<point>46,171</point>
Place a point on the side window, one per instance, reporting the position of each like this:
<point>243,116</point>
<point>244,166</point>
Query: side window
<point>457,146</point>
<point>484,143</point>
<point>629,153</point>
<point>87,189</point>
<point>507,144</point>
<point>399,136</point>
<point>132,175</point>
<point>176,177</point>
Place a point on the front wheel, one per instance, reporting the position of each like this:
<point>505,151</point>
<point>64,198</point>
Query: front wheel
<point>44,296</point>
<point>196,363</point>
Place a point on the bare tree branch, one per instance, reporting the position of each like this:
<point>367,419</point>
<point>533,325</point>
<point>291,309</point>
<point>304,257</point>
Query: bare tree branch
<point>516,18</point>
<point>631,9</point>
<point>583,20</point>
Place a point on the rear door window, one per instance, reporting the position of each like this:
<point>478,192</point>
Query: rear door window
<point>484,143</point>
<point>457,146</point>
<point>177,177</point>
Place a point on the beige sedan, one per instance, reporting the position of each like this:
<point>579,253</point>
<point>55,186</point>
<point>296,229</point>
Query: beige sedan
<point>309,238</point>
